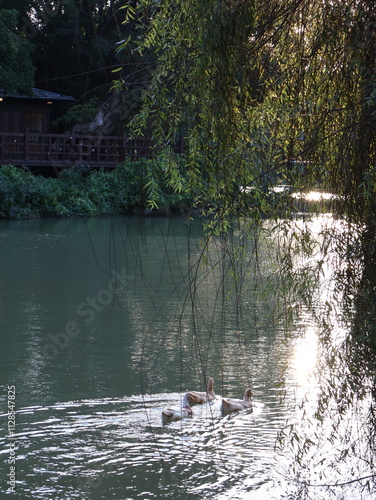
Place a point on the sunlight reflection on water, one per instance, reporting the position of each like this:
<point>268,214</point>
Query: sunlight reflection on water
<point>123,440</point>
<point>314,196</point>
<point>304,358</point>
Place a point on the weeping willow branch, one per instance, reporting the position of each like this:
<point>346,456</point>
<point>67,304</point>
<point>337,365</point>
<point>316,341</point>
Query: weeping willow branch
<point>345,483</point>
<point>271,93</point>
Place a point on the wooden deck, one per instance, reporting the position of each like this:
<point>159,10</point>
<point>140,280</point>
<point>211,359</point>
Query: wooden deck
<point>65,150</point>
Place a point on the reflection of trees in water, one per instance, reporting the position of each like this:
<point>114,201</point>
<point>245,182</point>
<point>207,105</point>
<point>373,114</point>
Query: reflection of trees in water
<point>209,310</point>
<point>315,268</point>
<point>229,303</point>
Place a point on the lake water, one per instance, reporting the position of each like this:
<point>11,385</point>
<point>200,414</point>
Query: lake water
<point>105,322</point>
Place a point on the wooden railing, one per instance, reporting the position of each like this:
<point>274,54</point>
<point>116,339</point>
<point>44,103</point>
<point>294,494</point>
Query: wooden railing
<point>65,150</point>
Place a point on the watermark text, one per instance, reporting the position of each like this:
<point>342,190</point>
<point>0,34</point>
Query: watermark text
<point>11,437</point>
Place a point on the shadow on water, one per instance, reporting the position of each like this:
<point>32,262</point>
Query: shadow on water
<point>105,322</point>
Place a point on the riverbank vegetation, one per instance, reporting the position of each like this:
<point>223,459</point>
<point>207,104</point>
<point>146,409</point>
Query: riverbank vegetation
<point>82,192</point>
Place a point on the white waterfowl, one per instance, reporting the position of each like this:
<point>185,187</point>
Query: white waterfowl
<point>200,398</point>
<point>230,405</point>
<point>171,415</point>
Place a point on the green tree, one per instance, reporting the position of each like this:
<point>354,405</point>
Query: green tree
<point>76,43</point>
<point>16,68</point>
<point>264,92</point>
<point>74,48</point>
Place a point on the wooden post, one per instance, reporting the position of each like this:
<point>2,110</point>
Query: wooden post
<point>97,149</point>
<point>27,145</point>
<point>72,150</point>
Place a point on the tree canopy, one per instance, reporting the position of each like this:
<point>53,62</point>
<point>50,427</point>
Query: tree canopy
<point>264,91</point>
<point>16,68</point>
<point>69,47</point>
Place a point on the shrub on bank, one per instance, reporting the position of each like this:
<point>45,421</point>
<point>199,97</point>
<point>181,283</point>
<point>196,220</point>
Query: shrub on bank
<point>83,192</point>
<point>22,195</point>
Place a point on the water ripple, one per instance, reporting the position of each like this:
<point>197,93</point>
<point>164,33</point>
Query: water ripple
<point>92,443</point>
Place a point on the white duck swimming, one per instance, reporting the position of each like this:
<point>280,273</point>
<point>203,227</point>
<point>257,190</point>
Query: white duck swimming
<point>229,405</point>
<point>200,398</point>
<point>171,415</point>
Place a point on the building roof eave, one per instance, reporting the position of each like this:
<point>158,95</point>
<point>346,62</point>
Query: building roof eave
<point>39,94</point>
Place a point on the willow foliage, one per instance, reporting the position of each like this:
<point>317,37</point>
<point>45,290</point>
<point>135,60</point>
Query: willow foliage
<point>279,92</point>
<point>269,93</point>
<point>263,92</point>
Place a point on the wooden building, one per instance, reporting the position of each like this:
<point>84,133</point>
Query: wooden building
<point>26,138</point>
<point>19,113</point>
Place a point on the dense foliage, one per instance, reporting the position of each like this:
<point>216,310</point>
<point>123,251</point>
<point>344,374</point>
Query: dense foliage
<point>69,47</point>
<point>16,68</point>
<point>265,92</point>
<point>80,192</point>
<point>284,92</point>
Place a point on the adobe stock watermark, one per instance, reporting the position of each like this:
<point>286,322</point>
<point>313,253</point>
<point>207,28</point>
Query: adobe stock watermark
<point>29,28</point>
<point>11,438</point>
<point>87,309</point>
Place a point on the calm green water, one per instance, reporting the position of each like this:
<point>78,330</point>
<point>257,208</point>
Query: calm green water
<point>104,322</point>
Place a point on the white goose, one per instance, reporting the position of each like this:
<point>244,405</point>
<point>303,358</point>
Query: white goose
<point>229,405</point>
<point>171,415</point>
<point>200,398</point>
